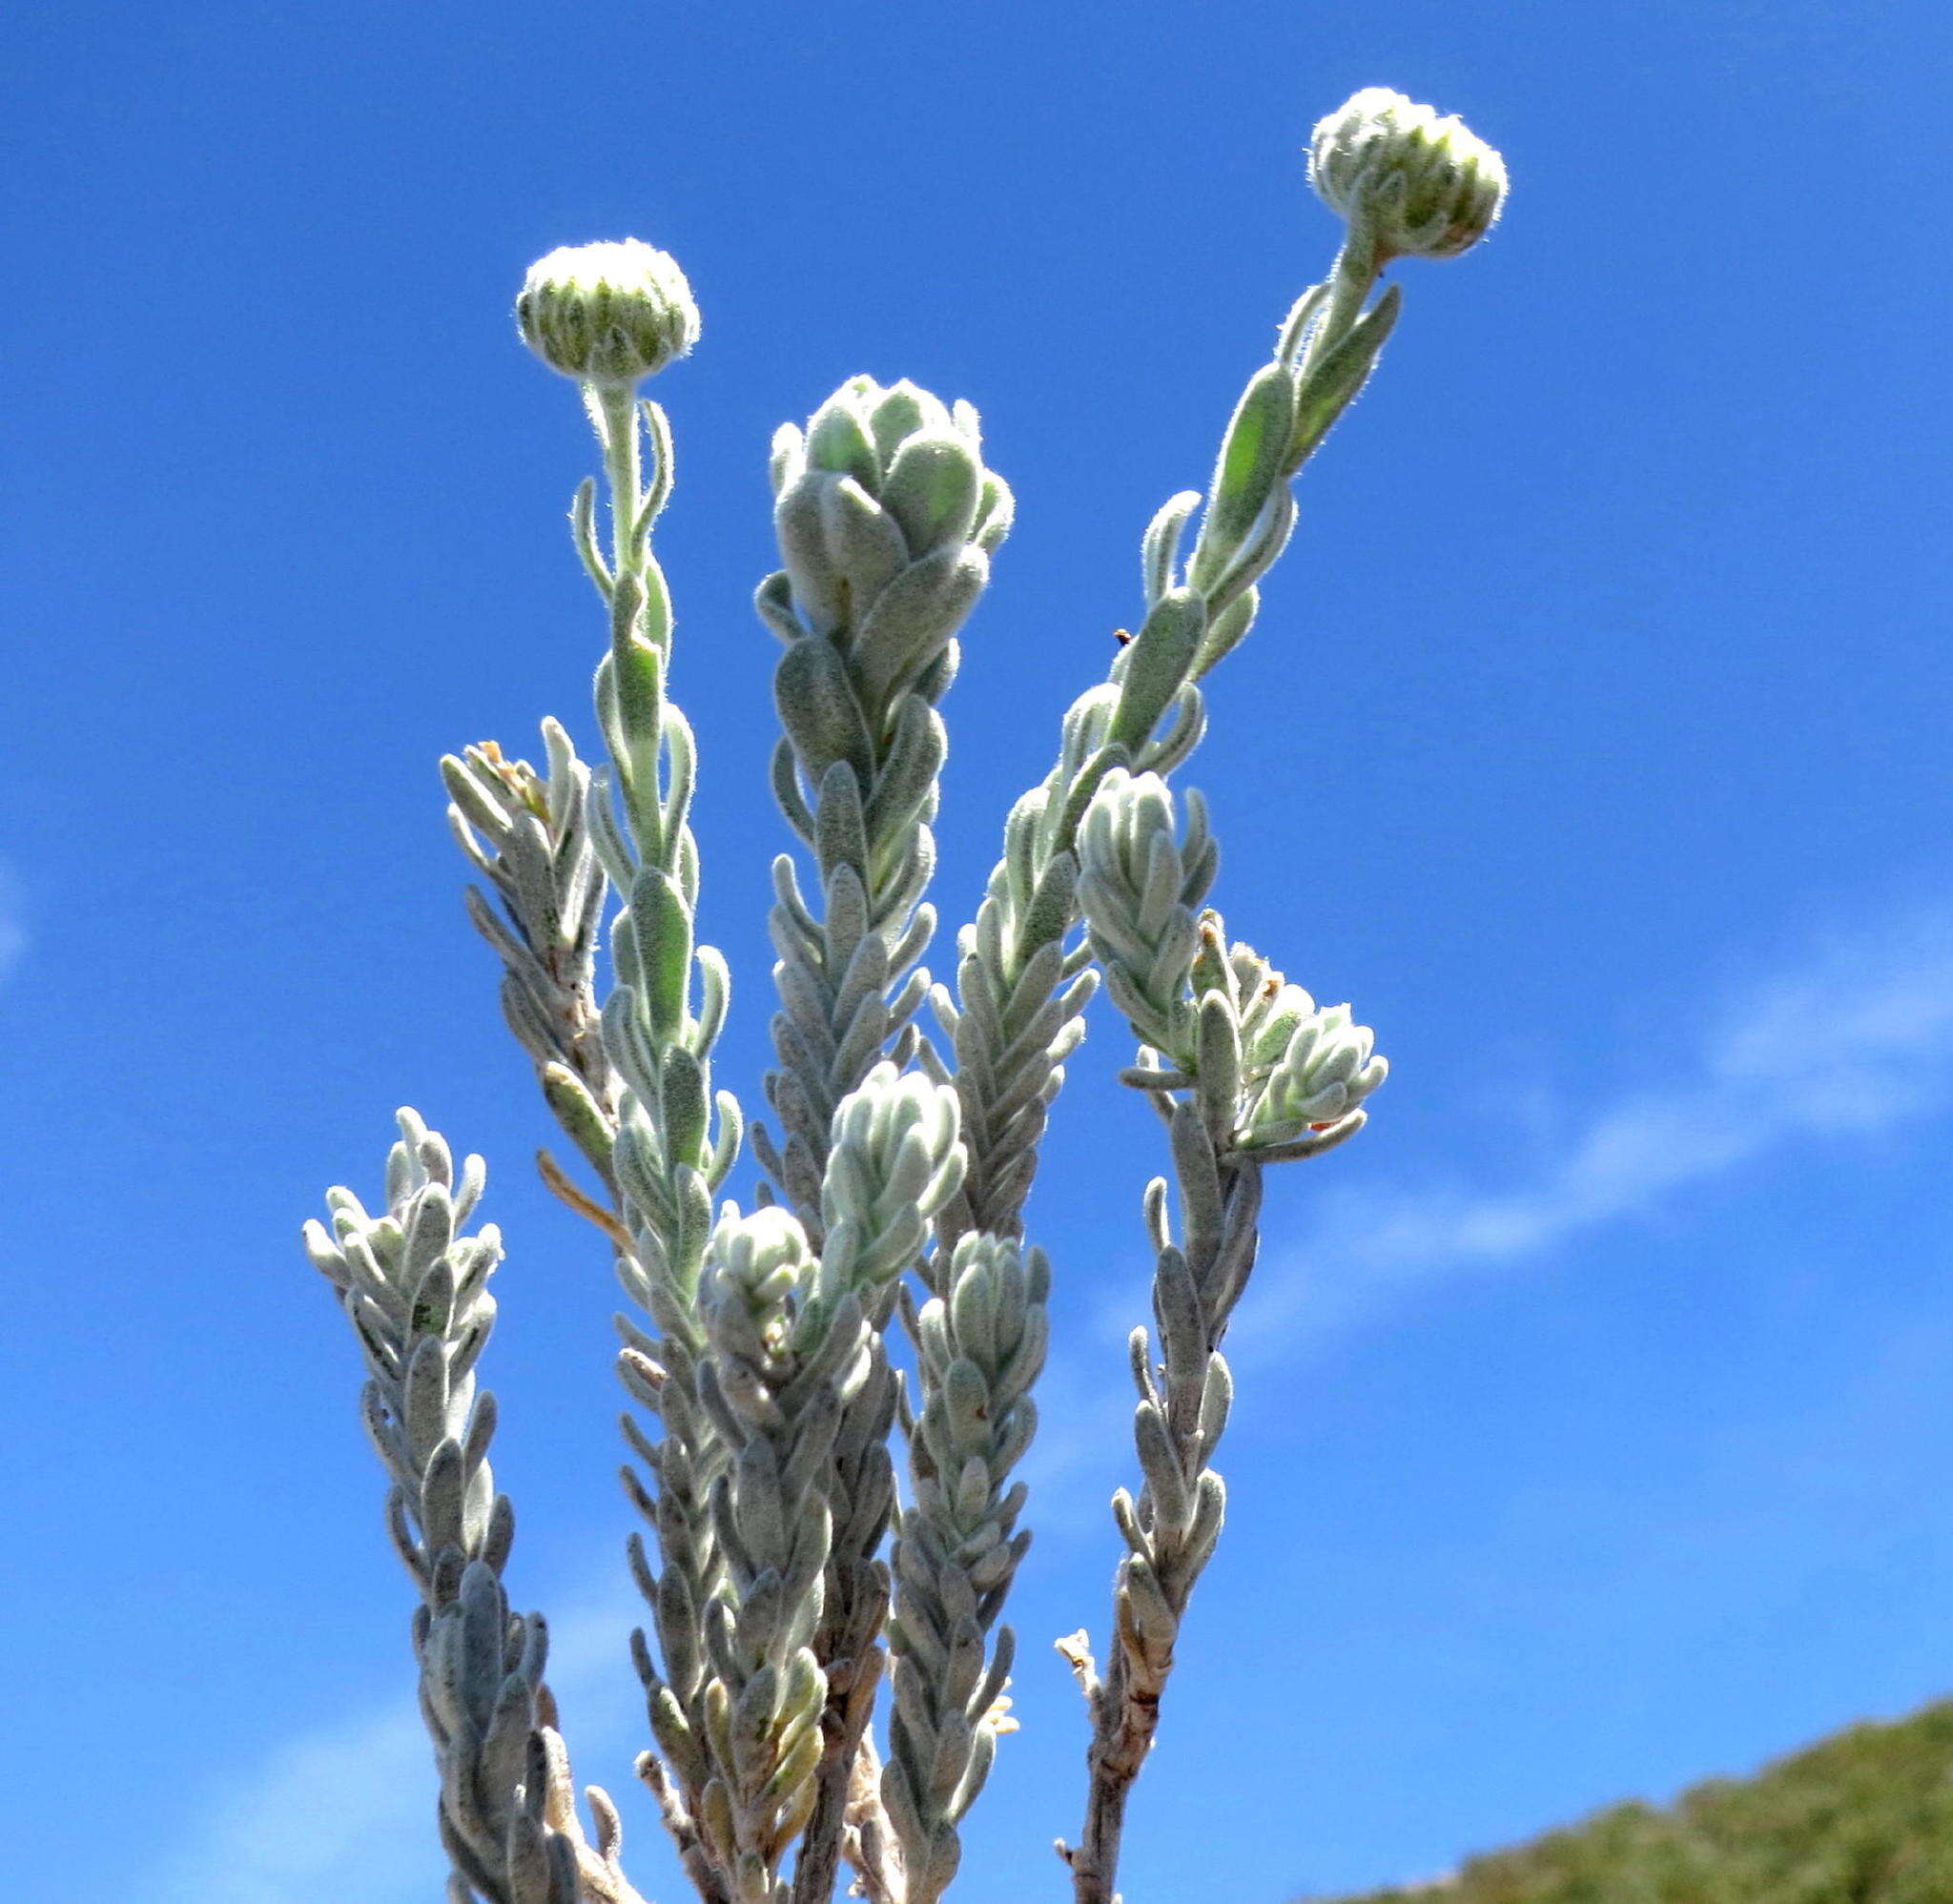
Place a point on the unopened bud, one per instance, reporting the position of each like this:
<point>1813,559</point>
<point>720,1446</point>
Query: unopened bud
<point>1427,187</point>
<point>607,314</point>
<point>757,1259</point>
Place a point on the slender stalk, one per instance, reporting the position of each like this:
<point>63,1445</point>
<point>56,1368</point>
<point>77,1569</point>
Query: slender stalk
<point>614,407</point>
<point>1243,1070</point>
<point>666,1160</point>
<point>1157,1580</point>
<point>1351,279</point>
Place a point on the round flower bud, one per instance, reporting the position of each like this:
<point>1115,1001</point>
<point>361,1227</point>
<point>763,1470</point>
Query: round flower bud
<point>606,314</point>
<point>1427,187</point>
<point>753,1266</point>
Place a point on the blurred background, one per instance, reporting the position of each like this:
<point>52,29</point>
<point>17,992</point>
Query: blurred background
<point>1596,1406</point>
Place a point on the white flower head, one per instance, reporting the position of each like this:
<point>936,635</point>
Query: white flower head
<point>607,314</point>
<point>1427,187</point>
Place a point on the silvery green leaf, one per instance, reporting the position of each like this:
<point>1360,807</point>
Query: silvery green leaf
<point>663,936</point>
<point>682,1103</point>
<point>788,456</point>
<point>1265,539</point>
<point>865,546</point>
<point>328,1260</point>
<point>1315,1143</point>
<point>914,759</point>
<point>995,511</point>
<point>615,852</point>
<point>583,532</point>
<point>1210,1512</point>
<point>800,528</point>
<point>915,616</point>
<point>1229,628</point>
<point>1217,1398</point>
<point>934,680</point>
<point>839,441</point>
<point>680,769</point>
<point>1052,908</point>
<point>773,600</point>
<point>726,1140</point>
<point>432,1311</point>
<point>1159,546</point>
<point>1144,1602</point>
<point>1161,1466</point>
<point>1330,387</point>
<point>899,413</point>
<point>1156,664</point>
<point>637,678</point>
<point>840,832</point>
<point>975,1304</point>
<point>1253,462</point>
<point>819,707</point>
<point>1198,1176</point>
<point>782,775</point>
<point>931,489</point>
<point>477,803</point>
<point>1183,1332</point>
<point>1295,326</point>
<point>1161,883</point>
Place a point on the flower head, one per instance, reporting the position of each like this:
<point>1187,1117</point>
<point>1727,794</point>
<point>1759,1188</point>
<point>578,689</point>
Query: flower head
<point>606,314</point>
<point>1427,187</point>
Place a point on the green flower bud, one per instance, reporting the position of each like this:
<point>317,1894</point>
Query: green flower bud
<point>909,452</point>
<point>897,1159</point>
<point>756,1263</point>
<point>1303,1070</point>
<point>606,314</point>
<point>1326,1071</point>
<point>1427,187</point>
<point>1138,885</point>
<point>886,519</point>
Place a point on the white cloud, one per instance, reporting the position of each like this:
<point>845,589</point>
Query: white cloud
<point>12,920</point>
<point>347,1811</point>
<point>1848,1043</point>
<point>1850,1040</point>
<point>340,1813</point>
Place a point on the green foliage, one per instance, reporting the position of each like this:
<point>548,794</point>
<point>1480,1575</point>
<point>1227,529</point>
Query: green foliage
<point>1862,1817</point>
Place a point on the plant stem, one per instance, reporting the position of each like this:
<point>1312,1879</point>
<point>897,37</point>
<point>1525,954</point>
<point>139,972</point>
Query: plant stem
<point>616,405</point>
<point>1124,1708</point>
<point>1351,279</point>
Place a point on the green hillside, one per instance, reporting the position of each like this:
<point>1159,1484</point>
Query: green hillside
<point>1864,1817</point>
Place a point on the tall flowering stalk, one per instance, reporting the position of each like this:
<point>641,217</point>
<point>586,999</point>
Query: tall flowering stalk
<point>786,1581</point>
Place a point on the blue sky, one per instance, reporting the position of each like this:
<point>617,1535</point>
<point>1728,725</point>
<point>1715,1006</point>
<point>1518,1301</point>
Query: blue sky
<point>1597,1413</point>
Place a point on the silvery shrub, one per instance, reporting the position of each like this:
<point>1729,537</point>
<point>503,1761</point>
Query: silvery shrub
<point>793,1591</point>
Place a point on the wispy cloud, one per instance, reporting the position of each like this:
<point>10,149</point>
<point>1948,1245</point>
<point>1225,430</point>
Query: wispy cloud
<point>12,920</point>
<point>1849,1042</point>
<point>346,1811</point>
<point>340,1812</point>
